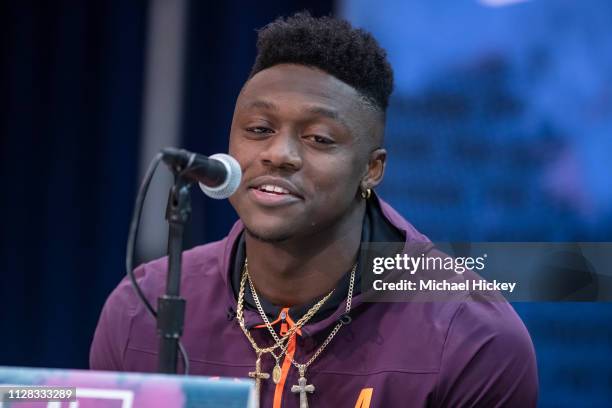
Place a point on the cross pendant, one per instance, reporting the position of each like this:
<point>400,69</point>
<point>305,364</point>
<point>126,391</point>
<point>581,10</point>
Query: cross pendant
<point>303,388</point>
<point>258,375</point>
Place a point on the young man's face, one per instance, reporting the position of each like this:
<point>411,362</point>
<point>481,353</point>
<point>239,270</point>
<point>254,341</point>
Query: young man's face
<point>303,139</point>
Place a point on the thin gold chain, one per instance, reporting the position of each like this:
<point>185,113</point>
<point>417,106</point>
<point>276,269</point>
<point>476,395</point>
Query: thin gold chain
<point>279,341</point>
<point>240,317</point>
<point>302,367</point>
<point>301,322</point>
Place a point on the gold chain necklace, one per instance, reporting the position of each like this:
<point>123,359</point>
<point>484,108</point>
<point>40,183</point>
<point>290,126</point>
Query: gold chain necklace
<point>258,375</point>
<point>303,387</point>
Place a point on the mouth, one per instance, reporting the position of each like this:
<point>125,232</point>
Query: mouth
<point>273,189</point>
<point>273,192</point>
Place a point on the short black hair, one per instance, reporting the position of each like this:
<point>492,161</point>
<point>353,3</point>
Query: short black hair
<point>350,54</point>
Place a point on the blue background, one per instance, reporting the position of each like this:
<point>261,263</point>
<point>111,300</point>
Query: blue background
<point>499,130</point>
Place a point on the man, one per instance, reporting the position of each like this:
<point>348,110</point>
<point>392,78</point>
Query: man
<point>307,131</point>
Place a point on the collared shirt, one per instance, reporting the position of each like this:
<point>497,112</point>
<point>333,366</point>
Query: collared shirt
<point>418,354</point>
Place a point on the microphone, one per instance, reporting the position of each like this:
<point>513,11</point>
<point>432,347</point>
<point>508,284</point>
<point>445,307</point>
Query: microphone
<point>218,175</point>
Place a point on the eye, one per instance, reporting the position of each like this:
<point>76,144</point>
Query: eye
<point>259,130</point>
<point>321,140</point>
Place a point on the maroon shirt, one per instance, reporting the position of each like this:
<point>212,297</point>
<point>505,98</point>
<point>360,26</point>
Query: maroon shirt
<point>439,354</point>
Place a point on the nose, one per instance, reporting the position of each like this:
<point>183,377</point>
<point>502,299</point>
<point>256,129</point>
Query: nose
<point>282,151</point>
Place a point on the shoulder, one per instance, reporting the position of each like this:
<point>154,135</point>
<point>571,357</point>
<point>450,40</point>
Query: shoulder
<point>479,324</point>
<point>488,357</point>
<point>123,312</point>
<point>200,262</point>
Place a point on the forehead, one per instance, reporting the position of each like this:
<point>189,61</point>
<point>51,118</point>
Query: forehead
<point>288,85</point>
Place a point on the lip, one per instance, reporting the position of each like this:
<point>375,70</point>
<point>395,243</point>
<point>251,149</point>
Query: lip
<point>273,199</point>
<point>281,182</point>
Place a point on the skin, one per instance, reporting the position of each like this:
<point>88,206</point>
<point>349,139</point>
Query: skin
<point>306,127</point>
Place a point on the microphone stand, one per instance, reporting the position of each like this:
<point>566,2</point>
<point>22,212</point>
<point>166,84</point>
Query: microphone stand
<point>171,306</point>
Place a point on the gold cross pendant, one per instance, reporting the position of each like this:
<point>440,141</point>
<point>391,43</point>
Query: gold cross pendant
<point>258,375</point>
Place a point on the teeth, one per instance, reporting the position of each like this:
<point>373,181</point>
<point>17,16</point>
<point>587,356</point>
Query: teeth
<point>273,189</point>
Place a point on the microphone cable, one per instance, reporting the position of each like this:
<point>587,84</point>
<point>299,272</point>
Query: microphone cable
<point>131,246</point>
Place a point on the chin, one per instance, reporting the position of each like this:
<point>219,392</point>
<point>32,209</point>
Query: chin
<point>268,236</point>
<point>271,227</point>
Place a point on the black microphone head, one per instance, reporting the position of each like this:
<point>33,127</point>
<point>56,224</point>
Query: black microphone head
<point>176,157</point>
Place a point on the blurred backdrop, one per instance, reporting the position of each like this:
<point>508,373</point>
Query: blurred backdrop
<point>500,129</point>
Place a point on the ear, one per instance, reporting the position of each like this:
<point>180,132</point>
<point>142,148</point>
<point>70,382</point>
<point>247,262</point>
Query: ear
<point>375,169</point>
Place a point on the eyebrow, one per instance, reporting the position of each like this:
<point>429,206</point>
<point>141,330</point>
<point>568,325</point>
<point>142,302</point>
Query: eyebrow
<point>313,109</point>
<point>259,103</point>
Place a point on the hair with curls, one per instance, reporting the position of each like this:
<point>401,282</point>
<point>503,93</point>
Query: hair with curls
<point>350,54</point>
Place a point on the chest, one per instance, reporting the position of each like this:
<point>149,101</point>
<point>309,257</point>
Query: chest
<point>351,372</point>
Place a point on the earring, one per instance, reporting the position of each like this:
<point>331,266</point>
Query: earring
<point>366,194</point>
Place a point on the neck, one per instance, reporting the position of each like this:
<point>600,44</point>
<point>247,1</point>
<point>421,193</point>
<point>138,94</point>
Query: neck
<point>301,269</point>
